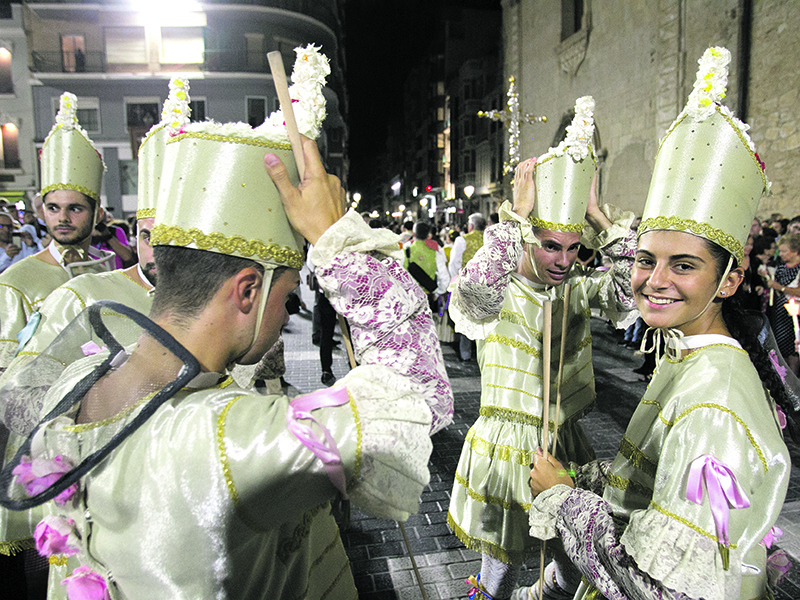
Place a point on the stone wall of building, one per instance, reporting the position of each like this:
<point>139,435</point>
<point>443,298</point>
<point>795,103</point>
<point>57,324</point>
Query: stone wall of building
<point>774,103</point>
<point>639,60</point>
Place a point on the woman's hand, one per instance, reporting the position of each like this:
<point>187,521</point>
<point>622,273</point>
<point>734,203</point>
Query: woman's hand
<point>547,473</point>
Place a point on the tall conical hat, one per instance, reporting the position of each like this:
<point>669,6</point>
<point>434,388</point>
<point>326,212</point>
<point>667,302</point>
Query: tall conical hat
<point>69,159</point>
<point>708,179</point>
<point>564,175</point>
<point>174,115</point>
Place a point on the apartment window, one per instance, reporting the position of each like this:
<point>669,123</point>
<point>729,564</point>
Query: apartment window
<point>182,45</point>
<point>73,53</point>
<point>88,112</point>
<point>286,48</point>
<point>571,17</point>
<point>198,108</point>
<point>142,112</point>
<point>254,47</point>
<point>125,46</point>
<point>129,177</point>
<point>256,110</point>
<point>9,151</point>
<point>6,85</point>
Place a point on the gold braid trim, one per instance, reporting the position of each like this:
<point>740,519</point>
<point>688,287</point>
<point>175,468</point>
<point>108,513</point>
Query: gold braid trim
<point>15,546</point>
<point>689,524</point>
<point>622,483</point>
<point>151,133</point>
<point>523,418</point>
<point>146,213</point>
<point>165,235</point>
<point>507,341</point>
<point>528,298</point>
<point>550,226</point>
<point>71,186</point>
<point>637,458</point>
<point>487,547</point>
<point>58,561</point>
<point>117,417</point>
<point>231,139</point>
<point>720,408</point>
<point>223,454</point>
<point>491,499</point>
<point>726,240</point>
<point>698,350</point>
<point>359,435</point>
<point>511,389</point>
<point>523,371</point>
<point>499,452</point>
<point>290,545</point>
<point>517,319</point>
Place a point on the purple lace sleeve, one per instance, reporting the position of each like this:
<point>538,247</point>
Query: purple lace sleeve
<point>390,324</point>
<point>482,283</point>
<point>592,541</point>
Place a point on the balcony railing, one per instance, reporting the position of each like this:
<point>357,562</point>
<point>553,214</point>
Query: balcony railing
<point>68,62</point>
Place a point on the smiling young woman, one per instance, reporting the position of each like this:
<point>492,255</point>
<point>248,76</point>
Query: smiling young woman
<point>656,522</point>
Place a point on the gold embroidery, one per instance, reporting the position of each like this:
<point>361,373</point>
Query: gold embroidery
<point>528,298</point>
<point>490,499</point>
<point>117,417</point>
<point>725,240</point>
<point>637,458</point>
<point>223,455</point>
<point>622,483</point>
<point>698,350</point>
<point>498,451</point>
<point>145,213</point>
<point>172,234</point>
<point>150,134</point>
<point>514,317</point>
<point>77,295</point>
<point>58,561</point>
<point>523,418</point>
<point>507,341</point>
<point>719,407</point>
<point>230,139</point>
<point>485,546</point>
<point>664,511</point>
<point>550,226</point>
<point>71,186</point>
<point>126,276</point>
<point>25,301</point>
<point>289,546</point>
<point>512,369</point>
<point>359,434</point>
<point>511,389</point>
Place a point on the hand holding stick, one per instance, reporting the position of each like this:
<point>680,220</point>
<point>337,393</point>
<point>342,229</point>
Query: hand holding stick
<point>282,88</point>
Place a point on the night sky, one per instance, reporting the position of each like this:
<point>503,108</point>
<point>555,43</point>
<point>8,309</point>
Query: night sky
<point>383,40</point>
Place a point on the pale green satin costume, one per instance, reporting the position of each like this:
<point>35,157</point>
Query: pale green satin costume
<point>491,496</point>
<point>711,401</point>
<point>57,310</point>
<point>23,288</point>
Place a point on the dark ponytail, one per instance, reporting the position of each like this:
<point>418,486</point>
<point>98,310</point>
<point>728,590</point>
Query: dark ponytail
<point>745,327</point>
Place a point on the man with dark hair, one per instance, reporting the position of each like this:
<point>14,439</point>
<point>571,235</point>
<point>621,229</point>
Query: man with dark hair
<point>69,162</point>
<point>243,482</point>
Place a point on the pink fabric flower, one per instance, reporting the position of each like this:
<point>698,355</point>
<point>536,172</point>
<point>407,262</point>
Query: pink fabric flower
<point>39,474</point>
<point>85,584</point>
<point>56,535</point>
<point>778,565</point>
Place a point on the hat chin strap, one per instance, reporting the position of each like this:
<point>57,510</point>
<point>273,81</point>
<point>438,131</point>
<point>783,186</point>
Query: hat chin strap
<point>673,334</point>
<point>262,305</point>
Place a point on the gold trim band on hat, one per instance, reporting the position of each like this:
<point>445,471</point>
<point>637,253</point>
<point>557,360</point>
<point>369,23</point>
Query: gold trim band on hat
<point>727,241</point>
<point>550,226</point>
<point>165,235</point>
<point>230,139</point>
<point>70,186</point>
<point>563,152</point>
<point>150,134</point>
<point>146,213</point>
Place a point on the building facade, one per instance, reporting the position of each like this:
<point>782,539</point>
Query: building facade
<point>117,58</point>
<point>638,60</point>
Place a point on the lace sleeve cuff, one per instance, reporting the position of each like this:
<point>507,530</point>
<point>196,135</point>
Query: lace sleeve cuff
<point>392,456</point>
<point>621,221</point>
<point>543,513</point>
<point>351,234</point>
<point>525,227</point>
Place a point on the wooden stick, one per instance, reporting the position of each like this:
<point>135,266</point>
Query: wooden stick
<point>282,87</point>
<point>413,562</point>
<point>564,324</point>
<point>546,339</point>
<point>347,341</point>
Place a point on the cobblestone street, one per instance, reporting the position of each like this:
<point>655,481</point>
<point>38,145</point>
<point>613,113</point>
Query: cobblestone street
<point>380,562</point>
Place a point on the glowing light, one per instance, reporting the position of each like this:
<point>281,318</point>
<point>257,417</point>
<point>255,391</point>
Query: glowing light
<point>396,186</point>
<point>4,53</point>
<point>423,202</point>
<point>469,190</point>
<point>357,197</point>
<point>10,127</point>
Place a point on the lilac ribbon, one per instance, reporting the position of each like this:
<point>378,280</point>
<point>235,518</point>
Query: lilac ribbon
<point>779,368</point>
<point>326,450</point>
<point>723,491</point>
<point>773,534</point>
<point>90,348</point>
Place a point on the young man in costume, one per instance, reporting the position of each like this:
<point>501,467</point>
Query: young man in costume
<point>497,301</point>
<point>687,508</point>
<point>243,482</point>
<point>72,171</point>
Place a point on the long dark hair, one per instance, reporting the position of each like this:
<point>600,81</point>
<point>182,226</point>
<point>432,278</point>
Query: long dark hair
<point>737,319</point>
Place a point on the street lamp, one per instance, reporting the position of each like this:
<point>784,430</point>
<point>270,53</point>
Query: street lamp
<point>469,190</point>
<point>357,197</point>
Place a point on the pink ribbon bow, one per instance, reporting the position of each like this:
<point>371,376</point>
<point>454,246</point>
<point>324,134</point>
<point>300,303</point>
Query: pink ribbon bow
<point>723,491</point>
<point>773,534</point>
<point>326,450</point>
<point>85,584</point>
<point>779,368</point>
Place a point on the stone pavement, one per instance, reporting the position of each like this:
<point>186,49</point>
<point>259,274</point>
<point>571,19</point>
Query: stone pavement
<point>379,560</point>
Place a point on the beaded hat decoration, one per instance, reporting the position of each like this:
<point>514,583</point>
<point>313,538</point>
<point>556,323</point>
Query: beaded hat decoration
<point>564,175</point>
<point>215,193</point>
<point>69,159</point>
<point>174,116</point>
<point>707,179</point>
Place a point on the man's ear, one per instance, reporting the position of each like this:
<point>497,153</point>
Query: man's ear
<point>100,214</point>
<point>246,285</point>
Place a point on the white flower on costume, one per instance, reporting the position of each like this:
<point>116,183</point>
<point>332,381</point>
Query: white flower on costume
<point>579,133</point>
